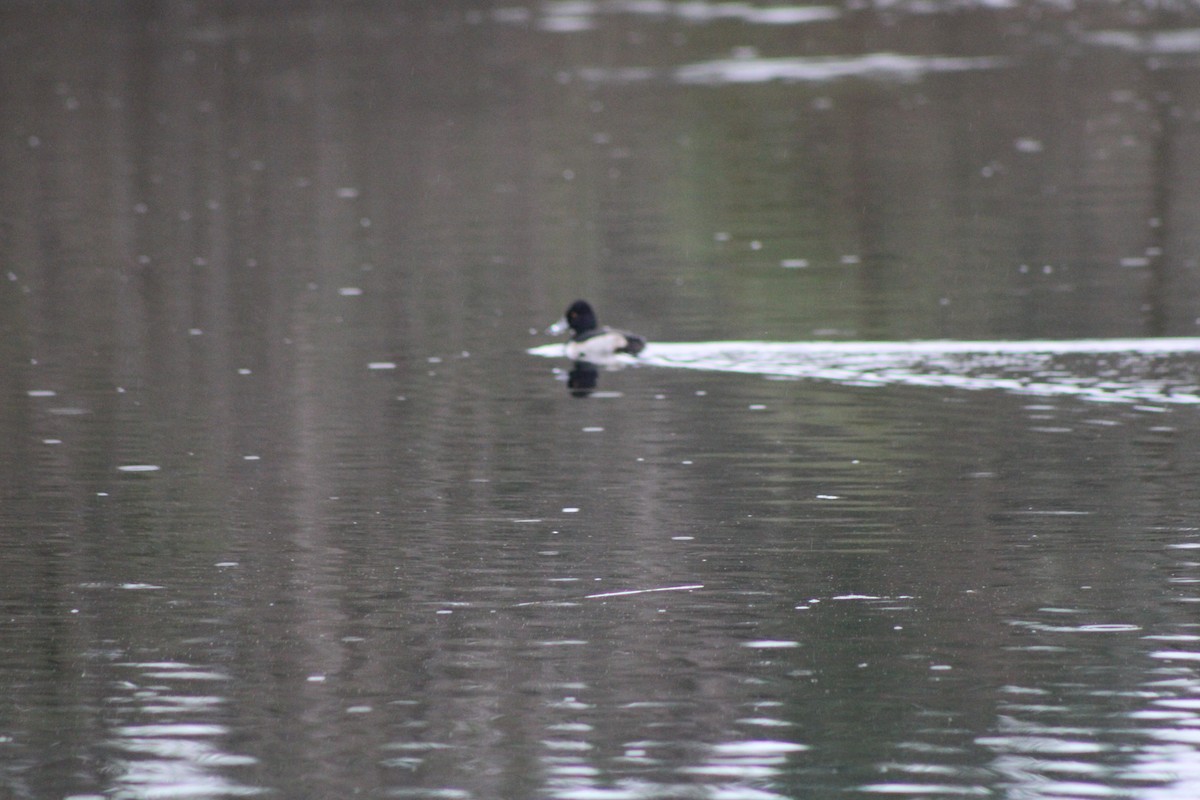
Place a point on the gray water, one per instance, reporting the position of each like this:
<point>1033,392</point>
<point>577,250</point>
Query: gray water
<point>289,507</point>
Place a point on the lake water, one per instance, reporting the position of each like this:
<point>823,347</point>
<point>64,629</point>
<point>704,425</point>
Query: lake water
<point>295,500</point>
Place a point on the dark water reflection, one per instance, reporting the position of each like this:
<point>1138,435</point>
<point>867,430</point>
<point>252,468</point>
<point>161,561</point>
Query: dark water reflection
<point>286,507</point>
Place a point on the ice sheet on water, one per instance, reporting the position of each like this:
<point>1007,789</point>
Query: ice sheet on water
<point>1151,370</point>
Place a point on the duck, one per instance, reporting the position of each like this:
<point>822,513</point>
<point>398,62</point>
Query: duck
<point>591,341</point>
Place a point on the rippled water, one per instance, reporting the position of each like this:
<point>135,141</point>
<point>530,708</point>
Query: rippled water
<point>1161,370</point>
<point>297,500</point>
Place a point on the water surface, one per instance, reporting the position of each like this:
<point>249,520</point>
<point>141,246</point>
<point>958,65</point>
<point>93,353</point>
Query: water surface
<point>287,507</point>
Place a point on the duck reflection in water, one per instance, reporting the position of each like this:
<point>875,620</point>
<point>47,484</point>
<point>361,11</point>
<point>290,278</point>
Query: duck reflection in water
<point>592,345</point>
<point>581,380</point>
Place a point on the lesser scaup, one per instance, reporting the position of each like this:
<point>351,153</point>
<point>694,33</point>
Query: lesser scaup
<point>591,341</point>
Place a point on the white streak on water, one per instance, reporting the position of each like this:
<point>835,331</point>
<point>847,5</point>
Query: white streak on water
<point>573,16</point>
<point>1156,370</point>
<point>628,592</point>
<point>1163,42</point>
<point>894,67</point>
<point>880,66</point>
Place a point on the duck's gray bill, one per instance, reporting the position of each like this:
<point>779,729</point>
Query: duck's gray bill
<point>557,327</point>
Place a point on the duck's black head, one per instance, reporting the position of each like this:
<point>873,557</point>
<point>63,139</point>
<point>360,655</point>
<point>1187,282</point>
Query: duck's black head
<point>580,317</point>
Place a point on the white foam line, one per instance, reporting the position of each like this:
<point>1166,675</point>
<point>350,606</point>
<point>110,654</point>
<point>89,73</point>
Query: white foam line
<point>627,592</point>
<point>567,17</point>
<point>824,68</point>
<point>1182,344</point>
<point>1022,367</point>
